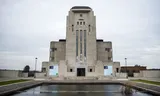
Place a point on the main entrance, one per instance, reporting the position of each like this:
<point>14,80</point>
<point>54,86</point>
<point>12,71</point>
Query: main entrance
<point>80,71</point>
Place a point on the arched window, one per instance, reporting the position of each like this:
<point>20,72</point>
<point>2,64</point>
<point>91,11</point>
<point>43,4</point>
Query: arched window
<point>77,23</point>
<point>83,23</point>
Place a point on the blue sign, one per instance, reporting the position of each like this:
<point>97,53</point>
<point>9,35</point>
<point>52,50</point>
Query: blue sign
<point>53,70</point>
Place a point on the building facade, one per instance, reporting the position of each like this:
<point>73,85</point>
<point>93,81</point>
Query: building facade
<point>130,70</point>
<point>81,53</point>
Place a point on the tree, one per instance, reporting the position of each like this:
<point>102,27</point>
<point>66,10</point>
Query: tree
<point>26,68</point>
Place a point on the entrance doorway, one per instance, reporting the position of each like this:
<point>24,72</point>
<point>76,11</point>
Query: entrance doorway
<point>80,71</point>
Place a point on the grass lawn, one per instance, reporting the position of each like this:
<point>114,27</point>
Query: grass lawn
<point>12,81</point>
<point>146,81</point>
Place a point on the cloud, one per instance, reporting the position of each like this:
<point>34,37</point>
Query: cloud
<point>28,26</point>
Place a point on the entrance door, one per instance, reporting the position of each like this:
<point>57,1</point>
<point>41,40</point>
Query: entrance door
<point>80,71</point>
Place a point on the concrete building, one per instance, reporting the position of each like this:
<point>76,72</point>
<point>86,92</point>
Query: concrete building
<point>81,53</point>
<point>130,70</point>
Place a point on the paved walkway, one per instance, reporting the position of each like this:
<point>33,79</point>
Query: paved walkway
<point>151,88</point>
<point>150,79</point>
<point>12,88</point>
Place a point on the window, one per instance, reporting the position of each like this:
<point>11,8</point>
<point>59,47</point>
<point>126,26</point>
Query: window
<point>77,23</point>
<point>109,58</point>
<point>90,70</point>
<point>72,28</point>
<point>117,69</point>
<point>53,49</point>
<point>83,23</point>
<point>43,69</point>
<point>81,15</point>
<point>107,49</point>
<point>51,58</point>
<point>71,70</point>
<point>89,28</point>
<point>76,42</point>
<point>80,23</point>
<point>85,43</point>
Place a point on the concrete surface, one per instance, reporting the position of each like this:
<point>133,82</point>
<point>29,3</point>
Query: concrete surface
<point>12,88</point>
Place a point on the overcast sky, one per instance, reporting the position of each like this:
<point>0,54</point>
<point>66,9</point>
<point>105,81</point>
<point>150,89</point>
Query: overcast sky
<point>28,26</point>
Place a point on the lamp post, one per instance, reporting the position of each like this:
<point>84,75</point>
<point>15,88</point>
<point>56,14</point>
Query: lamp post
<point>35,67</point>
<point>126,67</point>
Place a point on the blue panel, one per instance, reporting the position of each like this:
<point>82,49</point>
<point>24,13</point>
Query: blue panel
<point>107,70</point>
<point>53,70</point>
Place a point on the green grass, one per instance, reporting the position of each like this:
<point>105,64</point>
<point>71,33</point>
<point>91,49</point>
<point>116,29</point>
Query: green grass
<point>146,81</point>
<point>12,81</point>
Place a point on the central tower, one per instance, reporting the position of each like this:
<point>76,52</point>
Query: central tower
<point>81,48</point>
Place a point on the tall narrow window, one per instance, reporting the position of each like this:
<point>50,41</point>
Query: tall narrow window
<point>80,41</point>
<point>80,23</point>
<point>72,28</point>
<point>80,15</point>
<point>89,28</point>
<point>77,23</point>
<point>76,42</point>
<point>83,23</point>
<point>85,43</point>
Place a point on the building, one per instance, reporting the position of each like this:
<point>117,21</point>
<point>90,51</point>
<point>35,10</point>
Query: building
<point>132,69</point>
<point>81,53</point>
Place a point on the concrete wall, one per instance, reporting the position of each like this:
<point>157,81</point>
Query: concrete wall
<point>9,73</point>
<point>40,75</point>
<point>115,65</point>
<point>62,69</point>
<point>151,73</point>
<point>102,54</point>
<point>59,53</point>
<point>136,75</point>
<point>25,75</point>
<point>121,75</point>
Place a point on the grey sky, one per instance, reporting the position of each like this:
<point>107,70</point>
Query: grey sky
<point>28,26</point>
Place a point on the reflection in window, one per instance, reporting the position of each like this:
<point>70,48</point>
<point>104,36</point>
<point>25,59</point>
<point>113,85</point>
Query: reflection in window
<point>76,42</point>
<point>85,43</point>
<point>80,41</point>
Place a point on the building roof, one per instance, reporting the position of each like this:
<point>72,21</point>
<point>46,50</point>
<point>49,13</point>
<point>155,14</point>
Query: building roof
<point>80,7</point>
<point>99,40</point>
<point>62,40</point>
